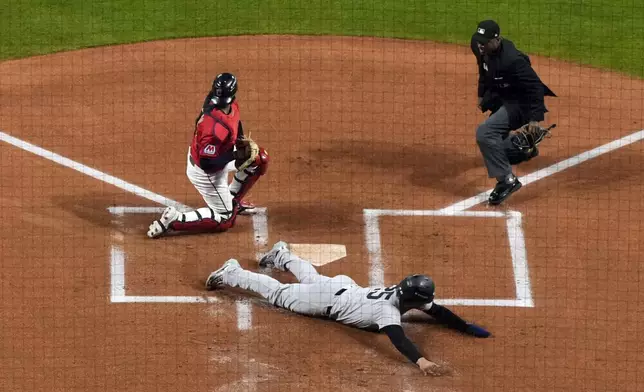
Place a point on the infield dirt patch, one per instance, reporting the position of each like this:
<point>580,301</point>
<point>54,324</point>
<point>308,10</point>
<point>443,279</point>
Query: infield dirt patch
<point>351,124</point>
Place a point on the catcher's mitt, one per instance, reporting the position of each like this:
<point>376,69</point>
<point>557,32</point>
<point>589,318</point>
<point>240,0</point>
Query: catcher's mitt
<point>246,153</point>
<point>524,139</point>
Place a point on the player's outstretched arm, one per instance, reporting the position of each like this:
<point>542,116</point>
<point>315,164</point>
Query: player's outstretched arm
<point>447,317</point>
<point>409,350</point>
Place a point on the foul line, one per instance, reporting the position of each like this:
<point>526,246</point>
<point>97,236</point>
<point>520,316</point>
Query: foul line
<point>117,255</point>
<point>556,168</point>
<point>88,171</point>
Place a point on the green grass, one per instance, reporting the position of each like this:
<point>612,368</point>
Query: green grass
<point>605,33</point>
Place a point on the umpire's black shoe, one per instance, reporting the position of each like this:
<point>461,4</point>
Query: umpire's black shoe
<point>503,190</point>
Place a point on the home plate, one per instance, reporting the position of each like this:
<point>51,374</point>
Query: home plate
<point>319,254</point>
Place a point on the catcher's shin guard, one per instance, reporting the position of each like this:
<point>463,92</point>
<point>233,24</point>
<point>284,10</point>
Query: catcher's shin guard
<point>244,180</point>
<point>204,219</point>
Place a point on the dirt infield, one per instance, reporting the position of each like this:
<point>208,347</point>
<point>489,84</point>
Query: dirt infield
<point>351,124</point>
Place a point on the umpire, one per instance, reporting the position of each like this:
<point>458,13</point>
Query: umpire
<point>511,90</point>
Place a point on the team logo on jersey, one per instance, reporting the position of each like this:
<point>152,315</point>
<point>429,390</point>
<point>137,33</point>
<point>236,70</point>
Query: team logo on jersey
<point>209,149</point>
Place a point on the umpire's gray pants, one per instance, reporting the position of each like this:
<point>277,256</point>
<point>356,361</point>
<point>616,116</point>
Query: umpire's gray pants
<point>495,145</point>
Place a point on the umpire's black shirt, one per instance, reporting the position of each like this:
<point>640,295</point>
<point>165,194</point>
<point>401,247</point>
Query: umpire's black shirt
<point>506,78</point>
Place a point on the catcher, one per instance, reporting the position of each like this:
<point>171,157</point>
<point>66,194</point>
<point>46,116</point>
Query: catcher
<point>218,147</point>
<point>512,91</point>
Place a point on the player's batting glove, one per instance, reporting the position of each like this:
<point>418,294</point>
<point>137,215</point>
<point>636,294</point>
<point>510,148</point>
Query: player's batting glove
<point>475,330</point>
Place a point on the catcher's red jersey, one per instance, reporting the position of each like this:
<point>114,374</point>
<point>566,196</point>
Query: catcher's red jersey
<point>215,134</point>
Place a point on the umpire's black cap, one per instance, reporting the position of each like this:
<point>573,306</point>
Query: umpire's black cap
<point>486,31</point>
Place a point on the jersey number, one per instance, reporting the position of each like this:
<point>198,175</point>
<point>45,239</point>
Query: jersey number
<point>379,293</point>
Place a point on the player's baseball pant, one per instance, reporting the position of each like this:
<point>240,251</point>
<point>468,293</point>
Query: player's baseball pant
<point>310,297</point>
<point>214,187</point>
<point>495,145</point>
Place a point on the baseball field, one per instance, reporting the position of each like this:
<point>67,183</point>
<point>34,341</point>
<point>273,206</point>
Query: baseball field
<point>368,110</point>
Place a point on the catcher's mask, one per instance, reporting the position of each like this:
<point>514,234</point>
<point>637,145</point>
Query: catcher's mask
<point>415,291</point>
<point>223,91</point>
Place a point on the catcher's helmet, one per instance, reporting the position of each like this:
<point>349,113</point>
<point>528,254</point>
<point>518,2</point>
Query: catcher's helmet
<point>415,291</point>
<point>223,91</point>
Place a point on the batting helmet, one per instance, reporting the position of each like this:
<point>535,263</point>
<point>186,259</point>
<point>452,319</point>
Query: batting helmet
<point>223,91</point>
<point>415,291</point>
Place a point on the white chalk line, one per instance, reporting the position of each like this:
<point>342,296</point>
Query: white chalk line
<point>117,255</point>
<point>243,307</point>
<point>121,210</point>
<point>515,238</point>
<point>260,230</point>
<point>244,314</point>
<point>371,222</point>
<point>117,282</point>
<point>516,303</point>
<point>160,299</point>
<point>473,214</point>
<point>201,300</point>
<point>117,269</point>
<point>260,238</point>
<point>553,169</point>
<point>88,171</point>
<point>374,248</point>
<point>372,233</point>
<point>515,232</point>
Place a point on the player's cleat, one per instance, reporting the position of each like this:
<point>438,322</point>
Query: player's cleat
<point>161,225</point>
<point>216,279</point>
<point>246,208</point>
<point>503,190</point>
<point>270,258</point>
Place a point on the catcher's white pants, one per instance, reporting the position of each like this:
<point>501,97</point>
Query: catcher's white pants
<point>214,187</point>
<point>310,297</point>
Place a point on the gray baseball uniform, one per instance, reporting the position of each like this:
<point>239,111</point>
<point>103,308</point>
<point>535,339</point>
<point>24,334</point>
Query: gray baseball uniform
<point>338,298</point>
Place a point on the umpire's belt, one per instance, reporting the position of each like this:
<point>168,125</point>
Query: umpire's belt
<point>327,311</point>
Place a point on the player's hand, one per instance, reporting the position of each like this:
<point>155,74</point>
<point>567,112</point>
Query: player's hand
<point>430,367</point>
<point>475,330</point>
<point>479,102</point>
<point>533,126</point>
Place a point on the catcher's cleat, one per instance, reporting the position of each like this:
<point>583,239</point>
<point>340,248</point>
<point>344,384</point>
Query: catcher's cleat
<point>526,140</point>
<point>161,225</point>
<point>216,279</point>
<point>269,259</point>
<point>503,190</point>
<point>245,208</point>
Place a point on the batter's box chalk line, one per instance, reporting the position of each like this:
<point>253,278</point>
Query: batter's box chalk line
<point>516,241</point>
<point>118,258</point>
<point>523,298</point>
